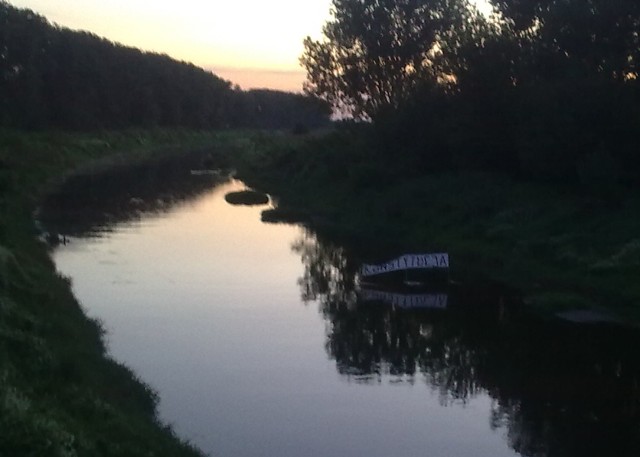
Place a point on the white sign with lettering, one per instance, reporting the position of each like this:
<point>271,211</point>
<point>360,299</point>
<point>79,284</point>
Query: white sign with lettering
<point>431,301</point>
<point>407,262</point>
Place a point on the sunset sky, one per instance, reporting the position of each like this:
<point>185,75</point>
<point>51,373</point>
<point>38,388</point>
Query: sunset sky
<point>253,43</point>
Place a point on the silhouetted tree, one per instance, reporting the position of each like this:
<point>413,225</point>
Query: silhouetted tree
<point>596,36</point>
<point>374,54</point>
<point>546,89</point>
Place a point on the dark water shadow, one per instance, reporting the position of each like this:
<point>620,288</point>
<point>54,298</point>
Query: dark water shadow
<point>558,389</point>
<point>89,203</point>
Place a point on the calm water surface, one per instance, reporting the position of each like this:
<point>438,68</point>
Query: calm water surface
<point>258,345</point>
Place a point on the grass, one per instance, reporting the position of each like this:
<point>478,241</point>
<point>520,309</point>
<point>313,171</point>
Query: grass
<point>60,394</point>
<point>560,246</point>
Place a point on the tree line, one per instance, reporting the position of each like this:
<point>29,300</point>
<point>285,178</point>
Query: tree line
<point>53,77</point>
<point>546,89</point>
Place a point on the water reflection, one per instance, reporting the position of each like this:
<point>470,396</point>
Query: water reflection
<point>239,357</point>
<point>328,273</point>
<point>558,389</point>
<point>95,201</point>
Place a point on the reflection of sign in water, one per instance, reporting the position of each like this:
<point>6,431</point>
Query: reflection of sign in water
<point>407,262</point>
<point>432,301</point>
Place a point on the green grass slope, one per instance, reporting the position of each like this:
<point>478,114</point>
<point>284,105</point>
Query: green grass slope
<point>60,394</point>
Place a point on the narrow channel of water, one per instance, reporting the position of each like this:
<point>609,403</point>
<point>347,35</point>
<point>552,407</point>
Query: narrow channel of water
<point>258,345</point>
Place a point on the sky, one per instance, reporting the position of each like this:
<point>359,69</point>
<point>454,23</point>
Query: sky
<point>252,43</point>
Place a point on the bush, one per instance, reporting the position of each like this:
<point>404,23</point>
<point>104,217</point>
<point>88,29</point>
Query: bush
<point>599,174</point>
<point>247,197</point>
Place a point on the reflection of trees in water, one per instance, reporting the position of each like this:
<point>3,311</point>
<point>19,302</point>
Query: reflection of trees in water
<point>558,389</point>
<point>328,272</point>
<point>567,390</point>
<point>94,201</point>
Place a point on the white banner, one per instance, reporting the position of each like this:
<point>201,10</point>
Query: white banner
<point>431,301</point>
<point>407,262</point>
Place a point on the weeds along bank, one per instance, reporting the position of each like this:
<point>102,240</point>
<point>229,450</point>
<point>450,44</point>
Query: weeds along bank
<point>563,247</point>
<point>60,395</point>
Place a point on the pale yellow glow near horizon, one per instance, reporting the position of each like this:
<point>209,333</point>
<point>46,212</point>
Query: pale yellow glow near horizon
<point>253,43</point>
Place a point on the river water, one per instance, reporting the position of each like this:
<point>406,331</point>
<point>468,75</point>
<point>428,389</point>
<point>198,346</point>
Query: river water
<point>259,344</point>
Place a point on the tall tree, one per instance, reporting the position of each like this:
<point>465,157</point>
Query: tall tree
<point>374,54</point>
<point>592,37</point>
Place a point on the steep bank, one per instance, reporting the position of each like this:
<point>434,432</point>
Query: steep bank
<point>60,394</point>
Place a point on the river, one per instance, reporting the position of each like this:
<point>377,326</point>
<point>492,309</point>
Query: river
<point>259,344</point>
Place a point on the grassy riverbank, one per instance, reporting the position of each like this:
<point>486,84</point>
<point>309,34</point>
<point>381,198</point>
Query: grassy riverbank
<point>564,247</point>
<point>60,395</point>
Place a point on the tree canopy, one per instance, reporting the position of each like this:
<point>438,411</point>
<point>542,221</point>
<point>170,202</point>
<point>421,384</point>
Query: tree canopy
<point>547,89</point>
<point>375,54</point>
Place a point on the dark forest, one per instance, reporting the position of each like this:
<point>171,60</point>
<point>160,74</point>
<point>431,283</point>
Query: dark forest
<point>55,78</point>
